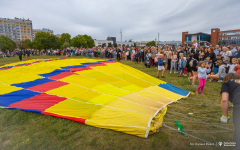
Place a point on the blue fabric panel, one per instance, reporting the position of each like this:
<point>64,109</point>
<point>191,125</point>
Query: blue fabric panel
<point>32,83</point>
<point>95,63</point>
<point>35,111</point>
<point>174,89</point>
<point>16,96</point>
<point>55,72</point>
<point>77,66</point>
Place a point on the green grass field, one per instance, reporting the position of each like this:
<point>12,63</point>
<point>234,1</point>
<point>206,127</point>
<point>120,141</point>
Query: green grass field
<point>26,130</point>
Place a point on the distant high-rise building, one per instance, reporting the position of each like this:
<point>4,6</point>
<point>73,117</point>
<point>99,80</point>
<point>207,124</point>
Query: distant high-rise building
<point>35,31</point>
<point>111,39</point>
<point>16,29</point>
<point>58,35</point>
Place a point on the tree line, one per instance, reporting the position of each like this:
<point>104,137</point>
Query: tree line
<point>44,40</point>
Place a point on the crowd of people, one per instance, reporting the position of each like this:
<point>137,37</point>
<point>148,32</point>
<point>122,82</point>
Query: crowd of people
<point>205,63</point>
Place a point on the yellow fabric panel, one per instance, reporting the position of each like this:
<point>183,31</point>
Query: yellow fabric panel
<point>164,93</point>
<point>67,91</point>
<point>71,62</point>
<point>86,95</point>
<point>102,99</point>
<point>143,101</point>
<point>121,83</point>
<point>4,89</point>
<point>128,105</point>
<point>98,75</point>
<point>114,72</point>
<point>134,72</point>
<point>120,120</point>
<point>132,88</point>
<point>22,62</point>
<point>17,75</point>
<point>108,89</point>
<point>81,80</point>
<point>74,108</point>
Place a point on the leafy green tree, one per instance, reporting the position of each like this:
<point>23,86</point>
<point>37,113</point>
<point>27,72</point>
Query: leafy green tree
<point>83,41</point>
<point>6,43</point>
<point>44,40</point>
<point>90,41</point>
<point>151,43</point>
<point>21,44</point>
<point>65,45</point>
<point>29,43</point>
<point>65,39</point>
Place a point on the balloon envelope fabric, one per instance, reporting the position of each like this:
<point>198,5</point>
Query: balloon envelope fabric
<point>100,93</point>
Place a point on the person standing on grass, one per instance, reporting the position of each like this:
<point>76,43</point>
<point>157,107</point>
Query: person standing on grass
<point>182,64</point>
<point>136,57</point>
<point>20,54</point>
<point>161,64</point>
<point>28,54</point>
<point>173,62</point>
<point>202,75</point>
<point>230,91</point>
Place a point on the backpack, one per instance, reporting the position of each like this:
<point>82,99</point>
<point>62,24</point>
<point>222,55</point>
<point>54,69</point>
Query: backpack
<point>191,62</point>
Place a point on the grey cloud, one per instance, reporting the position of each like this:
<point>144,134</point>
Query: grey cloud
<point>139,20</point>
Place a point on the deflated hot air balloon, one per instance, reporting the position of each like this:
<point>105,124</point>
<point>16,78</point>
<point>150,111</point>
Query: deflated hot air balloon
<point>104,94</point>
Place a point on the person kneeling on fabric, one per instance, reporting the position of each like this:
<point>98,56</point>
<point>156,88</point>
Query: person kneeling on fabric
<point>231,92</point>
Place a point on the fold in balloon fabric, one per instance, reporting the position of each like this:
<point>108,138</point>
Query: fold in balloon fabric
<point>104,94</point>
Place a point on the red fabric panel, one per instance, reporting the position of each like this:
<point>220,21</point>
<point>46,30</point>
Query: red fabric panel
<point>5,68</point>
<point>48,86</point>
<point>79,69</point>
<point>66,117</point>
<point>61,75</point>
<point>38,102</point>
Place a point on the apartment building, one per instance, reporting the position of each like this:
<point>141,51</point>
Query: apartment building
<point>16,29</point>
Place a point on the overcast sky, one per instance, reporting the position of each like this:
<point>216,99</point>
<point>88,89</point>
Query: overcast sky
<point>140,20</point>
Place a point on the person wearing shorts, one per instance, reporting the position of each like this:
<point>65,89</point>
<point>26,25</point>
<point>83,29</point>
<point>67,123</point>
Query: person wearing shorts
<point>161,65</point>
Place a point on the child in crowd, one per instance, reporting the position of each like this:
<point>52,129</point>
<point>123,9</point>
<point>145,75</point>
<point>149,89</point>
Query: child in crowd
<point>182,64</point>
<point>221,72</point>
<point>209,62</point>
<point>147,62</point>
<point>193,63</point>
<point>161,65</point>
<point>237,67</point>
<point>189,68</point>
<point>173,62</point>
<point>136,57</point>
<point>132,56</point>
<point>202,75</point>
<point>227,61</point>
<point>230,68</point>
<point>216,67</point>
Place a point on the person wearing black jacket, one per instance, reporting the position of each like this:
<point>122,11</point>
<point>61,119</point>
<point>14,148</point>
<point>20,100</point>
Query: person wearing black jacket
<point>118,53</point>
<point>230,91</point>
<point>192,66</point>
<point>20,54</point>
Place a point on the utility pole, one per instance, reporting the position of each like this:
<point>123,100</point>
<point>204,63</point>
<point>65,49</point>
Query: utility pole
<point>158,38</point>
<point>121,34</point>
